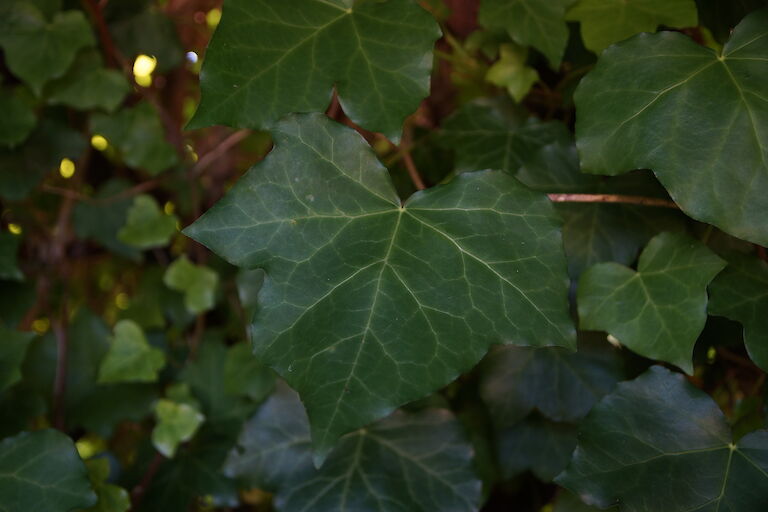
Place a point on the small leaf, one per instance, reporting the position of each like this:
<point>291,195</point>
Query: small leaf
<point>13,347</point>
<point>697,119</point>
<point>88,85</point>
<point>604,22</point>
<point>658,311</point>
<point>368,304</point>
<point>416,462</point>
<point>138,135</point>
<point>42,471</point>
<point>17,121</point>
<point>147,225</point>
<point>511,72</point>
<point>377,54</point>
<point>530,23</point>
<point>130,357</point>
<point>36,50</point>
<point>197,282</point>
<point>659,432</point>
<point>176,423</point>
<point>740,293</point>
<point>112,498</point>
<point>562,386</point>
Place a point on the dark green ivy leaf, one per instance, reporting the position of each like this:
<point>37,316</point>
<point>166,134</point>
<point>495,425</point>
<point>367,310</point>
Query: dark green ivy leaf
<point>9,248</point>
<point>147,226</point>
<point>530,23</point>
<point>37,50</point>
<point>418,462</point>
<point>42,471</point>
<point>89,85</point>
<point>138,135</point>
<point>740,293</point>
<point>17,121</point>
<point>542,446</point>
<point>267,59</point>
<point>658,443</point>
<point>13,347</point>
<point>369,304</point>
<point>659,310</point>
<point>697,119</point>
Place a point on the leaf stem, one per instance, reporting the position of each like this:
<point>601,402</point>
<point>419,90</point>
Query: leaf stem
<point>405,146</point>
<point>612,198</point>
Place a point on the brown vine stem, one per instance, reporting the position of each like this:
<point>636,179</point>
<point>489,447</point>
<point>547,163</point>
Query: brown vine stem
<point>612,198</point>
<point>59,328</point>
<point>137,493</point>
<point>405,147</point>
<point>223,146</point>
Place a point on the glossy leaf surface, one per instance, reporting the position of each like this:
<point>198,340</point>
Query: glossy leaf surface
<point>378,54</point>
<point>368,304</point>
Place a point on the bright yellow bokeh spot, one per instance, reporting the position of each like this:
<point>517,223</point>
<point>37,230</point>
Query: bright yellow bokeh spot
<point>90,445</point>
<point>144,65</point>
<point>14,229</point>
<point>213,17</point>
<point>169,208</point>
<point>144,81</point>
<point>192,153</point>
<point>67,168</point>
<point>122,301</point>
<point>41,325</point>
<point>99,142</point>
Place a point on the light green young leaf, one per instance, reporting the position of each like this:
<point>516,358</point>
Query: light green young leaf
<point>9,248</point>
<point>740,293</point>
<point>138,135</point>
<point>147,225</point>
<point>659,432</point>
<point>112,498</point>
<point>130,357</point>
<point>659,310</point>
<point>377,54</point>
<point>511,72</point>
<point>17,121</point>
<point>536,23</point>
<point>42,471</point>
<point>176,423</point>
<point>604,22</point>
<point>416,462</point>
<point>197,282</point>
<point>37,50</point>
<point>698,120</point>
<point>369,304</point>
<point>13,347</point>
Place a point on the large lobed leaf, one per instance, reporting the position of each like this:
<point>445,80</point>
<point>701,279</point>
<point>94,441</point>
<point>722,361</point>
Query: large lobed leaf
<point>418,462</point>
<point>368,304</point>
<point>658,443</point>
<point>699,120</point>
<point>268,59</point>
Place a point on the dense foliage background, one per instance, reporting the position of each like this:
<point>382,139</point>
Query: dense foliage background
<point>127,378</point>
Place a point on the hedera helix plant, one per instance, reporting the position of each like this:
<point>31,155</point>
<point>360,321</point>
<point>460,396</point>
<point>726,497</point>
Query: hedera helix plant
<point>494,255</point>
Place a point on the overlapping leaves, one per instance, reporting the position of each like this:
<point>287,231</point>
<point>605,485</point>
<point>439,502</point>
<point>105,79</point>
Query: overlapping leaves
<point>368,304</point>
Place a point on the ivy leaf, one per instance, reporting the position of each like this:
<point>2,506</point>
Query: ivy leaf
<point>9,248</point>
<point>244,374</point>
<point>130,357</point>
<point>112,498</point>
<point>569,502</point>
<point>88,85</point>
<point>176,423</point>
<point>562,386</point>
<point>377,54</point>
<point>663,102</point>
<point>368,304</point>
<point>147,225</point>
<point>36,50</point>
<point>197,282</point>
<point>659,432</point>
<point>138,135</point>
<point>740,293</point>
<point>109,404</point>
<point>17,121</point>
<point>418,461</point>
<point>42,471</point>
<point>659,310</point>
<point>530,23</point>
<point>511,72</point>
<point>544,447</point>
<point>604,22</point>
<point>12,350</point>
